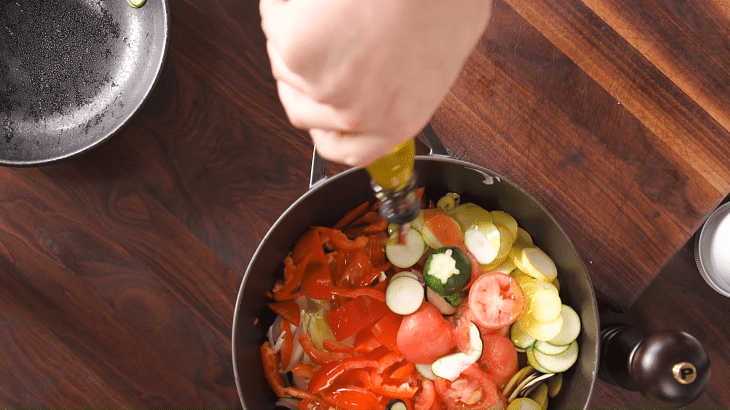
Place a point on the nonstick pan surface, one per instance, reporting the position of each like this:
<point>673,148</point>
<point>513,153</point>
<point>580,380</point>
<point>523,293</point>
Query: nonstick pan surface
<point>73,72</point>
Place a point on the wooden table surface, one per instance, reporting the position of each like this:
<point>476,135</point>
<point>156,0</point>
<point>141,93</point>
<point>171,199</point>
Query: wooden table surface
<point>119,269</point>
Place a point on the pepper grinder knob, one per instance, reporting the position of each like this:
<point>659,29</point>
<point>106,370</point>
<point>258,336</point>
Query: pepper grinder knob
<point>671,367</point>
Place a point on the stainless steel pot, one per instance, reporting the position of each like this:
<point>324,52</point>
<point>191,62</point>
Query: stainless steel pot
<point>439,174</point>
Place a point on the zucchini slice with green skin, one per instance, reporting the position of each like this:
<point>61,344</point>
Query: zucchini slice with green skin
<point>447,270</point>
<point>440,302</point>
<point>404,295</point>
<point>136,3</point>
<point>570,329</point>
<point>557,363</point>
<point>450,366</point>
<point>425,371</point>
<point>405,256</point>
<point>548,349</point>
<point>520,339</point>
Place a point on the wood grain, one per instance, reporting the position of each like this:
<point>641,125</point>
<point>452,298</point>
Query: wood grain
<point>119,269</point>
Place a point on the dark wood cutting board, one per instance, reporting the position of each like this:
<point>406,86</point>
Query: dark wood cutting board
<point>119,269</point>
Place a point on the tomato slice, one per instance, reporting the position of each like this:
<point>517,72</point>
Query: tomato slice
<point>473,389</point>
<point>355,315</point>
<point>444,229</point>
<point>424,335</point>
<point>426,397</point>
<point>496,300</point>
<point>499,359</point>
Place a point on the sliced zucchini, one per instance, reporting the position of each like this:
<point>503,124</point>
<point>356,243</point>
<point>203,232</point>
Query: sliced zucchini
<point>540,330</point>
<point>505,267</point>
<point>555,383</point>
<point>535,262</point>
<point>549,349</point>
<point>425,371</point>
<point>517,379</point>
<point>483,241</point>
<point>447,270</point>
<point>557,363</point>
<point>543,300</point>
<point>530,353</point>
<point>523,403</point>
<point>417,223</point>
<point>450,367</point>
<point>502,218</point>
<point>540,395</point>
<point>404,295</point>
<point>520,338</point>
<point>570,329</point>
<point>448,202</point>
<point>406,255</point>
<point>408,273</point>
<point>469,214</point>
<point>441,304</point>
<point>136,3</point>
<point>523,238</point>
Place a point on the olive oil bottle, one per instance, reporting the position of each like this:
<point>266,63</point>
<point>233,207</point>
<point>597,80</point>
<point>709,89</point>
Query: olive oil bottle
<point>394,183</point>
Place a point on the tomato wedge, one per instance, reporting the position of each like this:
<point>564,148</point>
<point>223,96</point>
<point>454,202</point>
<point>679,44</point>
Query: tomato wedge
<point>473,389</point>
<point>496,300</point>
<point>424,336</point>
<point>499,359</point>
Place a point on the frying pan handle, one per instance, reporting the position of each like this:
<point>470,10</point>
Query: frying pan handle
<point>436,148</point>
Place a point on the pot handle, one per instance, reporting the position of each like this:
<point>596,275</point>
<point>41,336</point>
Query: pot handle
<point>436,148</point>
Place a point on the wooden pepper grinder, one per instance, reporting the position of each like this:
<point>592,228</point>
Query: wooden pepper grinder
<point>671,367</point>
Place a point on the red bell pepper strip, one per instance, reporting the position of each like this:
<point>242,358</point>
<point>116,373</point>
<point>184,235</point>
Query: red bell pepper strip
<point>355,315</point>
<point>338,347</point>
<point>320,402</point>
<point>288,309</point>
<point>365,341</point>
<point>339,240</point>
<point>304,370</point>
<point>320,357</point>
<point>294,279</point>
<point>376,294</point>
<point>402,370</point>
<point>309,243</point>
<point>358,266</point>
<point>385,330</point>
<point>354,397</point>
<point>317,283</point>
<point>390,359</point>
<point>401,391</point>
<point>271,363</point>
<point>287,346</point>
<point>327,374</point>
<point>352,215</point>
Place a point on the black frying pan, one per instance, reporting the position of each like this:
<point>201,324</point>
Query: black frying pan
<point>73,72</point>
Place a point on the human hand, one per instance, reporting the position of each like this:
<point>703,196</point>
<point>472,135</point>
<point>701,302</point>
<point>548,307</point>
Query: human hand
<point>365,75</point>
